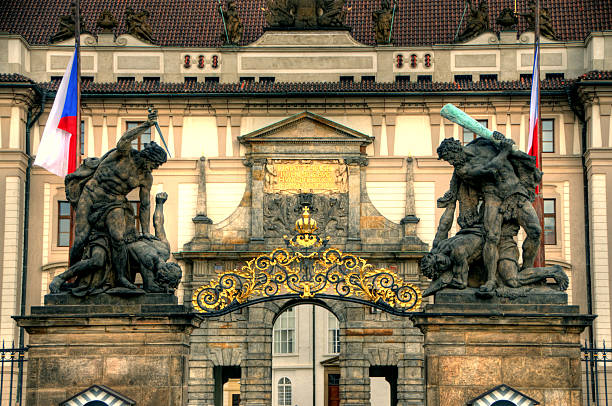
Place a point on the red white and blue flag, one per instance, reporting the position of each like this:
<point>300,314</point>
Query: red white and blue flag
<point>534,117</point>
<point>57,151</point>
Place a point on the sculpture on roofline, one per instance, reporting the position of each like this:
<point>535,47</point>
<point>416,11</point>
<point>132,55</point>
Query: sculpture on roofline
<point>108,250</point>
<point>138,25</point>
<point>107,22</point>
<point>493,185</point>
<point>507,19</point>
<point>305,14</point>
<point>67,25</point>
<point>477,21</point>
<point>383,21</point>
<point>232,33</point>
<point>546,28</point>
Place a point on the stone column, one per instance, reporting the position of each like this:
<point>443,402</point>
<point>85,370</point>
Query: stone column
<point>471,348</point>
<point>354,367</point>
<point>257,197</point>
<point>202,222</point>
<point>355,165</point>
<point>390,122</point>
<point>256,381</point>
<point>410,220</point>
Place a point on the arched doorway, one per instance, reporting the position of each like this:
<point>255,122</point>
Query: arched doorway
<point>305,349</point>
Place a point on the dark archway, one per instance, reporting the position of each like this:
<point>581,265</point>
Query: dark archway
<point>503,403</point>
<point>96,403</point>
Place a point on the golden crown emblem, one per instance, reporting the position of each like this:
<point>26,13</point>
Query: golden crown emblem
<point>306,224</point>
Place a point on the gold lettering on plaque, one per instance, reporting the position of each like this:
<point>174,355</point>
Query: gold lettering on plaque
<point>308,176</point>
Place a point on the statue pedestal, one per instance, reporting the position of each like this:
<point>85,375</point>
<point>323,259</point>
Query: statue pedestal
<point>471,348</point>
<point>136,346</point>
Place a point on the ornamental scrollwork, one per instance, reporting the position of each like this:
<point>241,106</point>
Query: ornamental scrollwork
<point>306,268</point>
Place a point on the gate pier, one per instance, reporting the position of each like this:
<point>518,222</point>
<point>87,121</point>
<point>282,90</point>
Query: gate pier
<point>521,350</point>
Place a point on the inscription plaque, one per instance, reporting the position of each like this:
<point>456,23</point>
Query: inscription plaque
<point>308,176</point>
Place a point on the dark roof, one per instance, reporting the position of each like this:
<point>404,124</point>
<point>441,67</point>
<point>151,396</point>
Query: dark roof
<point>90,88</point>
<point>196,23</point>
<point>151,87</point>
<point>14,77</point>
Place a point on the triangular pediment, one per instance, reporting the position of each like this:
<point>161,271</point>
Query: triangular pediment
<point>306,126</point>
<point>99,393</point>
<point>503,393</point>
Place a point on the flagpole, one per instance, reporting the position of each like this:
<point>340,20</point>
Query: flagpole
<point>77,46</point>
<point>540,260</point>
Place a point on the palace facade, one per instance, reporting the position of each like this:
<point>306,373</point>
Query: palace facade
<point>235,116</point>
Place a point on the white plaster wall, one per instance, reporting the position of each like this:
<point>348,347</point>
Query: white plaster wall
<point>424,202</point>
<point>412,136</point>
<point>599,247</point>
<point>199,137</point>
<point>186,212</point>
<point>222,199</point>
<point>11,258</point>
<point>389,198</point>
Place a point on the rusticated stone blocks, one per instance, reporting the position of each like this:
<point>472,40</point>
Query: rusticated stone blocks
<point>141,355</point>
<point>472,348</point>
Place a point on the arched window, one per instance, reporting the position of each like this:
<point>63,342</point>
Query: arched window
<point>96,403</point>
<point>284,333</point>
<point>333,334</point>
<point>284,392</point>
<point>503,403</point>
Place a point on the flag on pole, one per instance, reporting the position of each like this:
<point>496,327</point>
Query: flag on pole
<point>57,151</point>
<point>534,106</point>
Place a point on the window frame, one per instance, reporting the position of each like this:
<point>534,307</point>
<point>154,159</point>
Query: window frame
<point>61,217</point>
<point>552,130</point>
<point>282,386</point>
<point>482,121</point>
<point>552,215</point>
<point>333,338</point>
<point>291,333</point>
<point>139,144</point>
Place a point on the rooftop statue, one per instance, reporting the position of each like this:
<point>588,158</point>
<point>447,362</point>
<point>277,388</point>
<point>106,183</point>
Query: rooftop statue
<point>383,21</point>
<point>67,25</point>
<point>107,22</point>
<point>477,21</point>
<point>493,184</point>
<point>305,14</point>
<point>507,19</point>
<point>546,28</point>
<point>232,33</point>
<point>138,26</point>
<point>108,250</point>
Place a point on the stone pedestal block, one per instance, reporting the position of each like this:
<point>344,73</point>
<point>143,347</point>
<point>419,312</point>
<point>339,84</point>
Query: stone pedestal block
<point>472,348</point>
<point>138,347</point>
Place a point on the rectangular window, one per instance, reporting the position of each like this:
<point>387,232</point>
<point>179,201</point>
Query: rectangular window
<point>63,223</point>
<point>463,78</point>
<point>489,77</point>
<point>368,78</point>
<point>468,136</point>
<point>424,78</point>
<point>126,79</point>
<point>284,333</point>
<point>548,135</point>
<point>347,78</point>
<point>526,77</point>
<point>267,79</point>
<point>550,222</point>
<point>247,79</point>
<point>151,79</point>
<point>211,79</point>
<point>191,79</point>
<point>402,78</point>
<point>235,399</point>
<point>87,79</point>
<point>333,334</point>
<point>82,138</point>
<point>143,139</point>
<point>554,75</point>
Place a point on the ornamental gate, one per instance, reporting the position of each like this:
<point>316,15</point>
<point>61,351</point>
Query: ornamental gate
<point>342,254</point>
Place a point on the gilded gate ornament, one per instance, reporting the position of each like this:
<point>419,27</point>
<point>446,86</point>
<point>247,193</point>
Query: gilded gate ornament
<point>307,269</point>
